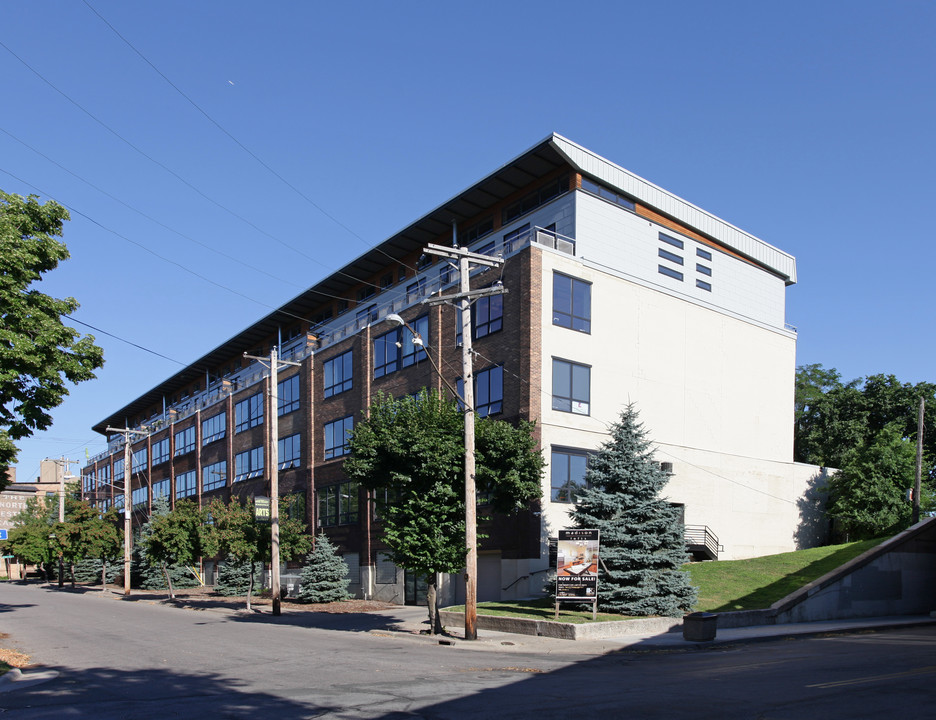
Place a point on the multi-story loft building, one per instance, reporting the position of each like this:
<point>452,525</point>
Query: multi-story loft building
<point>616,292</point>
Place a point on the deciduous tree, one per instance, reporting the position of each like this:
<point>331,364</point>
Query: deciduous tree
<point>411,452</point>
<point>176,538</point>
<point>39,354</point>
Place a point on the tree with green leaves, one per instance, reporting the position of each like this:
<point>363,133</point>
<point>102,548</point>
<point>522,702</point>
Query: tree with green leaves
<point>176,538</point>
<point>642,536</point>
<point>411,452</point>
<point>324,578</point>
<point>39,354</point>
<point>233,531</point>
<point>29,539</point>
<point>868,495</point>
<point>86,533</point>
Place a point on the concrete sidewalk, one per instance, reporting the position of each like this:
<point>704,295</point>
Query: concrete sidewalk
<point>413,622</point>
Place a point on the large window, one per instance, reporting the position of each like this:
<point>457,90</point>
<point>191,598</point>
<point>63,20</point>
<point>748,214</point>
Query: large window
<point>338,374</point>
<point>248,464</point>
<point>139,497</point>
<point>214,428</point>
<point>571,387</point>
<point>489,391</point>
<point>567,474</point>
<point>396,348</point>
<point>571,303</point>
<point>338,504</point>
<point>214,475</point>
<point>186,484</point>
<point>185,441</point>
<point>607,193</point>
<point>118,469</point>
<point>139,460</point>
<point>161,451</point>
<point>287,395</point>
<point>289,450</point>
<point>488,315</point>
<point>336,437</point>
<point>161,488</point>
<point>248,413</point>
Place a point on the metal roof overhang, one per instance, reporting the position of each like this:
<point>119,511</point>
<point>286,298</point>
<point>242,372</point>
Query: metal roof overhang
<point>536,162</point>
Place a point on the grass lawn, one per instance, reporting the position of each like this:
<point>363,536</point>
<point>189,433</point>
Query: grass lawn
<point>723,586</point>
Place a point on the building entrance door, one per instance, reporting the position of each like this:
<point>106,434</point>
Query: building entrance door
<point>414,589</point>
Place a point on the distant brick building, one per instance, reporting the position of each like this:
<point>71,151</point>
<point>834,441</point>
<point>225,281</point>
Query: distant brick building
<point>617,292</point>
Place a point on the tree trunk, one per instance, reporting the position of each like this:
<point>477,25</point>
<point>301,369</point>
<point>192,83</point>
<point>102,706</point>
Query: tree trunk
<point>103,575</point>
<point>432,600</point>
<point>71,570</point>
<point>250,585</point>
<point>168,580</point>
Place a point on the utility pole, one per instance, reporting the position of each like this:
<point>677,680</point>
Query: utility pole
<point>128,434</point>
<point>917,484</point>
<point>62,472</point>
<point>274,365</point>
<point>464,296</point>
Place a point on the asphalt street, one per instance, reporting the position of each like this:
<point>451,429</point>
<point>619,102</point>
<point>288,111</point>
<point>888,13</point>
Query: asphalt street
<point>105,657</point>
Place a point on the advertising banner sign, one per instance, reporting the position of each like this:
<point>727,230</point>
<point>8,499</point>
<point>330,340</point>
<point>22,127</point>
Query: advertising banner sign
<point>262,509</point>
<point>577,565</point>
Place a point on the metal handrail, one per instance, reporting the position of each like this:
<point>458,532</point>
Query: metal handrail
<point>702,536</point>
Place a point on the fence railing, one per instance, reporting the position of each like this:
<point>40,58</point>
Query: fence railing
<point>700,538</point>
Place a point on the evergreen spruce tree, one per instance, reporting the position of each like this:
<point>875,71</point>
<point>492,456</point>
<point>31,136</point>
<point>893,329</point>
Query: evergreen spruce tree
<point>642,542</point>
<point>234,577</point>
<point>88,570</point>
<point>151,575</point>
<point>325,575</point>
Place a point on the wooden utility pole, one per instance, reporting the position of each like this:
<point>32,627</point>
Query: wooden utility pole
<point>918,481</point>
<point>128,513</point>
<point>464,297</point>
<point>274,365</point>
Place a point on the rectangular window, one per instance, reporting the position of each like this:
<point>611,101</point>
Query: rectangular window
<point>669,272</point>
<point>396,348</point>
<point>703,285</point>
<point>571,303</point>
<point>414,291</point>
<point>489,391</point>
<point>214,428</point>
<point>139,497</point>
<point>567,474</point>
<point>675,242</point>
<point>353,561</point>
<point>287,395</point>
<point>214,475</point>
<point>488,315</point>
<point>248,464</point>
<point>514,236</point>
<point>704,254</point>
<point>672,257</point>
<point>338,374</point>
<point>161,451</point>
<point>186,484</point>
<point>118,469</point>
<point>366,315</point>
<point>571,387</point>
<point>87,483</point>
<point>336,437</point>
<point>185,441</point>
<point>161,488</point>
<point>704,269</point>
<point>139,460</point>
<point>289,451</point>
<point>607,194</point>
<point>338,504</point>
<point>248,413</point>
<point>386,570</point>
<point>536,198</point>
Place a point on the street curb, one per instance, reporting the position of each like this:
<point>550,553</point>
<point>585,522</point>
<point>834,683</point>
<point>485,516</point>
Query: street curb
<point>16,678</point>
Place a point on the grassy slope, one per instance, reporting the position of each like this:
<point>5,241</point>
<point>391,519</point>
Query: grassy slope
<point>759,582</point>
<point>723,586</point>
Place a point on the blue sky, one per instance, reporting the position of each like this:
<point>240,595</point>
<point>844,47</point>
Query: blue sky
<point>809,125</point>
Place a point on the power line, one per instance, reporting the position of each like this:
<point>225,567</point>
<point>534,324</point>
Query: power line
<point>128,342</point>
<point>237,142</point>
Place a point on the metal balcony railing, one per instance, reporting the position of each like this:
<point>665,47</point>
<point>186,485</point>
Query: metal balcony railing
<point>701,541</point>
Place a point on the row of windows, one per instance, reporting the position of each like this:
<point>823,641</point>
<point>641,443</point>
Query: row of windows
<point>677,260</point>
<point>395,349</point>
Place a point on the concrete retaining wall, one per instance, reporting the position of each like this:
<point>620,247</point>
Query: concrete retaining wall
<point>568,631</point>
